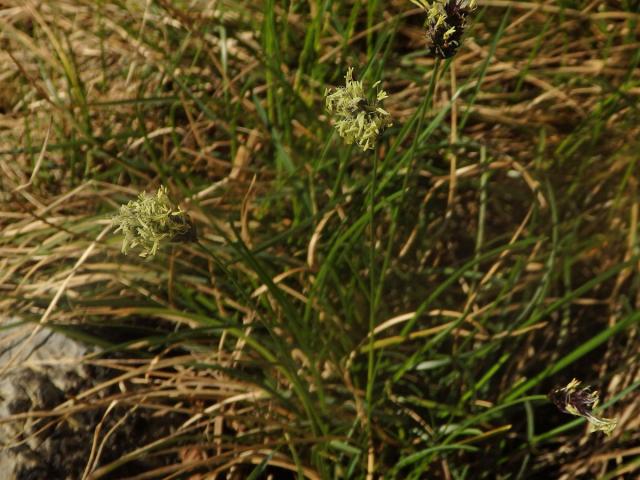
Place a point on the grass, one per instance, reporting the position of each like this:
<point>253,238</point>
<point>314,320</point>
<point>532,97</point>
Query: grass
<point>344,315</point>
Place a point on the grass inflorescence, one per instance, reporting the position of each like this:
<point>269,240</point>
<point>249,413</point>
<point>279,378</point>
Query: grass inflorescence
<point>358,119</point>
<point>150,221</point>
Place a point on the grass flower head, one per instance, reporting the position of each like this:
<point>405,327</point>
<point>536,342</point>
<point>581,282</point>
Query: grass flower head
<point>151,220</point>
<point>357,118</point>
<point>581,402</point>
<point>445,24</point>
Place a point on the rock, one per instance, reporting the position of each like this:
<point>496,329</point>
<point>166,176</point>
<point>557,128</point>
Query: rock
<point>43,371</point>
<point>39,371</point>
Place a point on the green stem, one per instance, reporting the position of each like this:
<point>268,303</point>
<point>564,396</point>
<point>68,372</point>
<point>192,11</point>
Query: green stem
<point>372,295</point>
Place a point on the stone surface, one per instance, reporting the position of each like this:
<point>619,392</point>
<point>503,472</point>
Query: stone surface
<point>39,370</point>
<point>42,371</point>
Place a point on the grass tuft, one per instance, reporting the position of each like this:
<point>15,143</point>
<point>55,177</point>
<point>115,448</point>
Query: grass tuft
<point>396,313</point>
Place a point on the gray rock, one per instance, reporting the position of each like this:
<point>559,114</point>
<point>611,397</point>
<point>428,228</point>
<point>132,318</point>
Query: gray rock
<point>41,371</point>
<point>38,369</point>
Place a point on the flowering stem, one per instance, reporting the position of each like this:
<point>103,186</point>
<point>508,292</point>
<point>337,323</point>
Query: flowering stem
<point>372,295</point>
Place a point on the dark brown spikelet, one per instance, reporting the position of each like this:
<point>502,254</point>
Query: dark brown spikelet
<point>581,402</point>
<point>445,24</point>
<point>570,400</point>
<point>190,235</point>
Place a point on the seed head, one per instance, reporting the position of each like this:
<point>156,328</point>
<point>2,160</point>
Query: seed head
<point>151,220</point>
<point>581,402</point>
<point>445,23</point>
<point>357,119</point>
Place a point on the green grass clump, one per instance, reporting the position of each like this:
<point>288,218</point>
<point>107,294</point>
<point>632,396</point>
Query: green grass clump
<point>396,313</point>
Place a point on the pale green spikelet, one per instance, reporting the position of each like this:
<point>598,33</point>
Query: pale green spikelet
<point>357,119</point>
<point>446,35</point>
<point>151,220</point>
